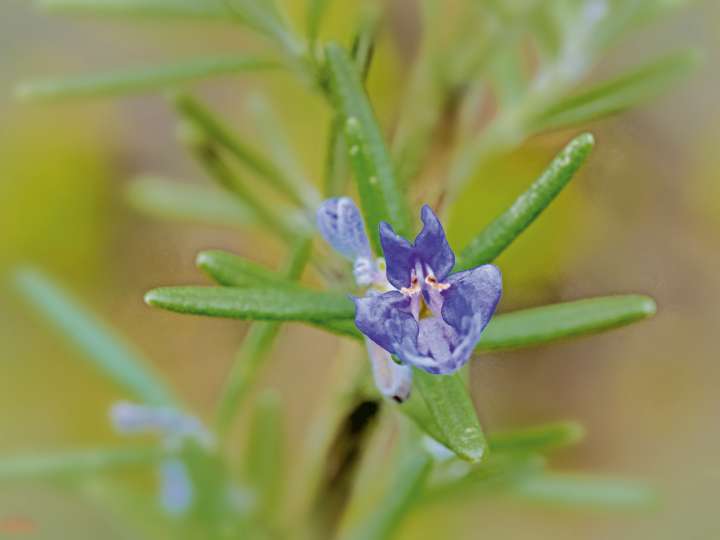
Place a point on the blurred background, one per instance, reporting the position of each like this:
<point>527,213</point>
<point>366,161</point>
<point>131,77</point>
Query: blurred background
<point>642,216</point>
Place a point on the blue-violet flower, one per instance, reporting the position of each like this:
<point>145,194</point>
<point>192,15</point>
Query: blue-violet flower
<point>415,308</point>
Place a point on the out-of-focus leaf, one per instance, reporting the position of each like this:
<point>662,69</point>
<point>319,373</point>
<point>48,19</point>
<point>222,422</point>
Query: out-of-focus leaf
<point>181,201</point>
<point>233,271</point>
<point>499,234</point>
<point>133,81</point>
<point>206,151</point>
<point>535,326</point>
<point>453,479</point>
<point>264,17</point>
<point>264,457</point>
<point>253,303</point>
<point>273,137</point>
<point>218,132</point>
<point>381,198</point>
<point>537,438</point>
<point>102,346</point>
<point>453,412</point>
<point>392,506</point>
<point>82,462</point>
<point>617,95</point>
<point>571,490</point>
<point>315,13</point>
<point>205,9</point>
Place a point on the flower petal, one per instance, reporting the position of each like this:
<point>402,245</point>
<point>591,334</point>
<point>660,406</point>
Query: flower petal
<point>399,256</point>
<point>392,379</point>
<point>431,245</point>
<point>386,319</point>
<point>473,293</point>
<point>341,224</point>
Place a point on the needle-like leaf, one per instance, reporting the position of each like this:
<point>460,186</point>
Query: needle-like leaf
<point>574,490</point>
<point>138,80</point>
<point>505,228</point>
<point>182,201</point>
<point>264,455</point>
<point>70,464</point>
<point>206,9</point>
<point>268,304</point>
<point>619,94</point>
<point>381,198</point>
<point>537,438</point>
<point>536,326</point>
<point>102,346</point>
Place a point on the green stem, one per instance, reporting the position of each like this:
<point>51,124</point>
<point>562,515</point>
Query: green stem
<point>254,350</point>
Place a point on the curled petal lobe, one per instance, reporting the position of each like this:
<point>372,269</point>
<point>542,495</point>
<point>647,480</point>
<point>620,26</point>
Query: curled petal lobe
<point>399,256</point>
<point>341,224</point>
<point>431,245</point>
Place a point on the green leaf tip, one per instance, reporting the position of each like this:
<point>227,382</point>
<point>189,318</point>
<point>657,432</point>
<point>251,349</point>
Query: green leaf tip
<point>501,232</point>
<point>452,414</point>
<point>533,439</point>
<point>545,324</point>
<point>253,303</point>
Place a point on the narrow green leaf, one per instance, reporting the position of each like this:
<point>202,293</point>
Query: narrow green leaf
<point>264,457</point>
<point>584,491</point>
<point>217,131</point>
<point>381,198</point>
<point>536,326</point>
<point>253,303</point>
<point>537,438</point>
<point>205,150</point>
<point>102,346</point>
<point>140,80</point>
<point>205,9</point>
<point>450,406</point>
<point>497,236</point>
<point>395,501</point>
<point>618,94</point>
<point>272,136</point>
<point>498,471</point>
<point>182,201</point>
<point>76,463</point>
<point>264,17</point>
<point>232,271</point>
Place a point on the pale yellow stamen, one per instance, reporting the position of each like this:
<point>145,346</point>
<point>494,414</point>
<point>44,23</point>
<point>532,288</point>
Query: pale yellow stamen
<point>435,284</point>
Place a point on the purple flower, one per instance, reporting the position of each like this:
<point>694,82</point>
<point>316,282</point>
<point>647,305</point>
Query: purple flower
<point>433,319</point>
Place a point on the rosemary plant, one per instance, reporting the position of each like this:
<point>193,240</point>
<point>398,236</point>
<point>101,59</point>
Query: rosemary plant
<point>423,309</point>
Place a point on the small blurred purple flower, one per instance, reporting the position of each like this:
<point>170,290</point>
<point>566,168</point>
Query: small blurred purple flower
<point>176,488</point>
<point>174,427</point>
<point>433,319</point>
